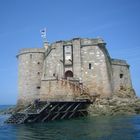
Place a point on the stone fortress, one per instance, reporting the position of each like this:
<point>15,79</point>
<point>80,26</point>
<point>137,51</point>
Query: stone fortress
<point>67,70</point>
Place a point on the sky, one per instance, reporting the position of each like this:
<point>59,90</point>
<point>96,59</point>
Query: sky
<point>116,21</point>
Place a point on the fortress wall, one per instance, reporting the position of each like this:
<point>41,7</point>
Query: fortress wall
<point>76,58</point>
<point>53,61</point>
<point>85,51</point>
<point>39,70</point>
<point>57,90</point>
<point>59,69</point>
<point>121,75</point>
<point>50,63</point>
<point>29,74</point>
<point>96,76</point>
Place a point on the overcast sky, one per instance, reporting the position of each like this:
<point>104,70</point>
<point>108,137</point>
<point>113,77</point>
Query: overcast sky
<point>116,21</point>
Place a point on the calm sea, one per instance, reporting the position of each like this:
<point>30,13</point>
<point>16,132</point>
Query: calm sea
<point>88,128</point>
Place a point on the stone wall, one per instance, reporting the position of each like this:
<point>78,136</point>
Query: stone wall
<point>53,65</point>
<point>95,69</point>
<point>40,71</point>
<point>60,90</point>
<point>29,74</point>
<point>121,75</point>
<point>77,62</point>
<point>85,51</point>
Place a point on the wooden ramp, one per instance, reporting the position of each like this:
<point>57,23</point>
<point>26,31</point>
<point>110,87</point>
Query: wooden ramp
<point>50,110</point>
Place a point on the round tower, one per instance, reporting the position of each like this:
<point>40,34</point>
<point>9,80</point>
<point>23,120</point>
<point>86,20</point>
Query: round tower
<point>30,68</point>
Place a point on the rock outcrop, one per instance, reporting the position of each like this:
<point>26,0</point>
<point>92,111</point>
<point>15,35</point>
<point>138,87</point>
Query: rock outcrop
<point>8,110</point>
<point>122,103</point>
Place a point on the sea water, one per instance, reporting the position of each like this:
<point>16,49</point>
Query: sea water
<point>85,128</point>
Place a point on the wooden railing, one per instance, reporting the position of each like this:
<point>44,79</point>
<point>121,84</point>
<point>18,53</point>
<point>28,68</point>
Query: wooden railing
<point>78,88</point>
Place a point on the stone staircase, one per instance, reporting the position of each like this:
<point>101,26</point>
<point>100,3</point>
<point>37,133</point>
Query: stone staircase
<point>80,91</point>
<point>51,110</point>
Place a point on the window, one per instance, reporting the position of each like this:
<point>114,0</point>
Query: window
<point>89,65</point>
<point>121,75</point>
<point>30,56</point>
<point>67,55</point>
<point>38,87</point>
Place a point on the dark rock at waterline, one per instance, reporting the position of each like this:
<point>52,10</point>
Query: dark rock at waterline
<point>8,110</point>
<point>102,107</point>
<point>124,102</point>
<point>115,106</point>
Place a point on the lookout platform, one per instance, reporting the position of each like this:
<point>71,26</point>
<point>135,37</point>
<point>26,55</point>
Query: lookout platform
<point>45,111</point>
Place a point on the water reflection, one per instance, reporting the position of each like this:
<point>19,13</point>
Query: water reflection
<point>96,128</point>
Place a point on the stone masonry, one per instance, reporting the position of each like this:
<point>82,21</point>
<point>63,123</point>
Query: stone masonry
<point>64,70</point>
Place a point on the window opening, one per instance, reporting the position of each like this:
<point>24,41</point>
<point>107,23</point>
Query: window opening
<point>31,56</point>
<point>38,87</point>
<point>89,65</point>
<point>121,75</point>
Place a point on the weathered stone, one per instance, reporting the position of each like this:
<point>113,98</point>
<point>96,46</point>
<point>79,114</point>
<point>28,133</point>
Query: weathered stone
<point>85,62</point>
<point>115,106</point>
<point>29,74</point>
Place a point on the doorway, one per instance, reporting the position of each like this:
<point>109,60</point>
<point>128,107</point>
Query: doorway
<point>68,74</point>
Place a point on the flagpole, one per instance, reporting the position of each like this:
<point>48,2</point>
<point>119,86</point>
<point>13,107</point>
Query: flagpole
<point>44,36</point>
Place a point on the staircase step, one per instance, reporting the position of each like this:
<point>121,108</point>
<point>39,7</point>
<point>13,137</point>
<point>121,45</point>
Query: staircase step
<point>49,111</point>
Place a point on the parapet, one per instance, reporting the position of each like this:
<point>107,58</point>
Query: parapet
<point>31,50</point>
<point>83,41</point>
<point>88,42</point>
<point>119,62</point>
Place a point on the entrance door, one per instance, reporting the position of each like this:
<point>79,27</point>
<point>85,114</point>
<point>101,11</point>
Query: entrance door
<point>68,74</point>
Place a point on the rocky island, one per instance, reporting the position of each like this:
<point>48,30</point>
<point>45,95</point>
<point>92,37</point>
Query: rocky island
<point>125,102</point>
<point>72,78</point>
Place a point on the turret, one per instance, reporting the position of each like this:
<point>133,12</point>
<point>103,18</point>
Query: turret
<point>29,74</point>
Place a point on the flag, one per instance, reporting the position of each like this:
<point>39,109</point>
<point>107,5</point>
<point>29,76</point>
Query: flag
<point>43,33</point>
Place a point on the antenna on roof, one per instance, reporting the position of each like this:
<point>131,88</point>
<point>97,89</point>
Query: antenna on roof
<point>44,36</point>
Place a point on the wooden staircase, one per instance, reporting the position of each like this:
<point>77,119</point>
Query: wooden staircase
<point>51,110</point>
<point>46,111</point>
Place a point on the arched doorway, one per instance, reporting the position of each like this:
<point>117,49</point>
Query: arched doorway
<point>68,74</point>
